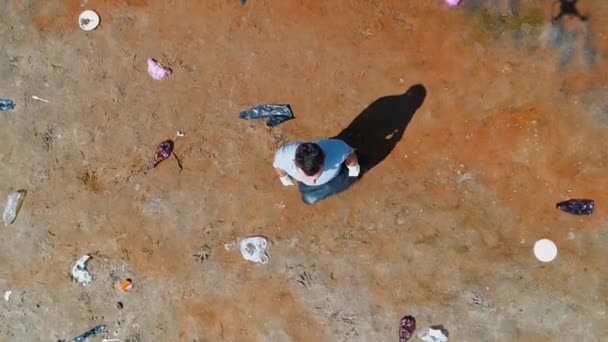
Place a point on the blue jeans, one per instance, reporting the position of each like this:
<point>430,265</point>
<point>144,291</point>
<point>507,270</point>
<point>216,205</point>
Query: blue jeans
<point>317,193</point>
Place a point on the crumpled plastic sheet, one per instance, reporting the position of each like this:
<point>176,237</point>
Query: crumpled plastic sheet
<point>434,335</point>
<point>317,193</point>
<point>254,249</point>
<point>157,71</point>
<point>276,113</point>
<point>80,272</point>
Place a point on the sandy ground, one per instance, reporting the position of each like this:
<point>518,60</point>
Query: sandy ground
<point>514,119</point>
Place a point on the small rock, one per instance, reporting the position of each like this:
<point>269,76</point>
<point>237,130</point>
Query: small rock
<point>367,33</point>
<point>571,236</point>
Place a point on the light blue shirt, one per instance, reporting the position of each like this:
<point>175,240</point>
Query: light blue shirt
<point>336,151</point>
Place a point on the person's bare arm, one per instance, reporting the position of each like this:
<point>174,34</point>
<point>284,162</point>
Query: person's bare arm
<point>284,177</point>
<point>353,165</point>
<point>280,172</point>
<point>352,160</point>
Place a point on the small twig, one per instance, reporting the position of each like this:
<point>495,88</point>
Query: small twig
<point>39,99</point>
<point>179,162</point>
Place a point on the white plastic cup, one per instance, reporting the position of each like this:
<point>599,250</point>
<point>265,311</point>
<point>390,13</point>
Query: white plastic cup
<point>545,250</point>
<point>88,20</point>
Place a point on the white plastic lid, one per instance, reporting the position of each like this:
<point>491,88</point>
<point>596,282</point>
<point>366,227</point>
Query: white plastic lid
<point>545,250</point>
<point>88,20</point>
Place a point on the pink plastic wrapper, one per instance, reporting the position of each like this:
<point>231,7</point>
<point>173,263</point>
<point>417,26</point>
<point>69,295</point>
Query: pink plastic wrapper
<point>163,151</point>
<point>406,328</point>
<point>157,71</point>
<point>453,2</point>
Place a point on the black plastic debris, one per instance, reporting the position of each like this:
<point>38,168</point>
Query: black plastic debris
<point>91,332</point>
<point>406,328</point>
<point>243,2</point>
<point>577,206</point>
<point>6,104</point>
<point>163,151</point>
<point>568,8</point>
<point>276,114</point>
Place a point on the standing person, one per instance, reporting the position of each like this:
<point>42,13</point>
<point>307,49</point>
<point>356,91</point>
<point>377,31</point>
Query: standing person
<point>322,168</point>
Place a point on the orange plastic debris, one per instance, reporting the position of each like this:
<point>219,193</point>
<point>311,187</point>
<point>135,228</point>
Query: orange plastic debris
<point>126,285</point>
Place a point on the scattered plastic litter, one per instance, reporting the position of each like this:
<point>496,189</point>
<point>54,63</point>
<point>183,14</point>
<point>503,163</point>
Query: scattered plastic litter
<point>91,332</point>
<point>13,205</point>
<point>276,113</point>
<point>163,151</point>
<point>88,20</point>
<point>80,272</point>
<point>577,206</point>
<point>254,249</point>
<point>119,305</point>
<point>434,335</point>
<point>110,340</point>
<point>6,104</point>
<point>180,133</point>
<point>7,295</point>
<point>243,2</point>
<point>545,250</point>
<point>157,71</point>
<point>39,99</point>
<point>453,3</point>
<point>126,285</point>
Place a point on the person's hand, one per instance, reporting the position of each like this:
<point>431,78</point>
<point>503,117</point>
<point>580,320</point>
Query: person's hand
<point>286,180</point>
<point>353,171</point>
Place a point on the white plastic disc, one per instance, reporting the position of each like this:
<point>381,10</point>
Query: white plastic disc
<point>88,20</point>
<point>545,250</point>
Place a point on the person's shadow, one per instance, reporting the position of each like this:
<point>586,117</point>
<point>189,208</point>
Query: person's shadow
<point>375,132</point>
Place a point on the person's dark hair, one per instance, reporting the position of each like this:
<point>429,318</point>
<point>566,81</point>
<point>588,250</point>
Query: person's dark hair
<point>309,158</point>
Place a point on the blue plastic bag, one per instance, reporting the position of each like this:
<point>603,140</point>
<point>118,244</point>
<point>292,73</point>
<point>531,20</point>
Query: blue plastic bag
<point>276,114</point>
<point>6,104</point>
